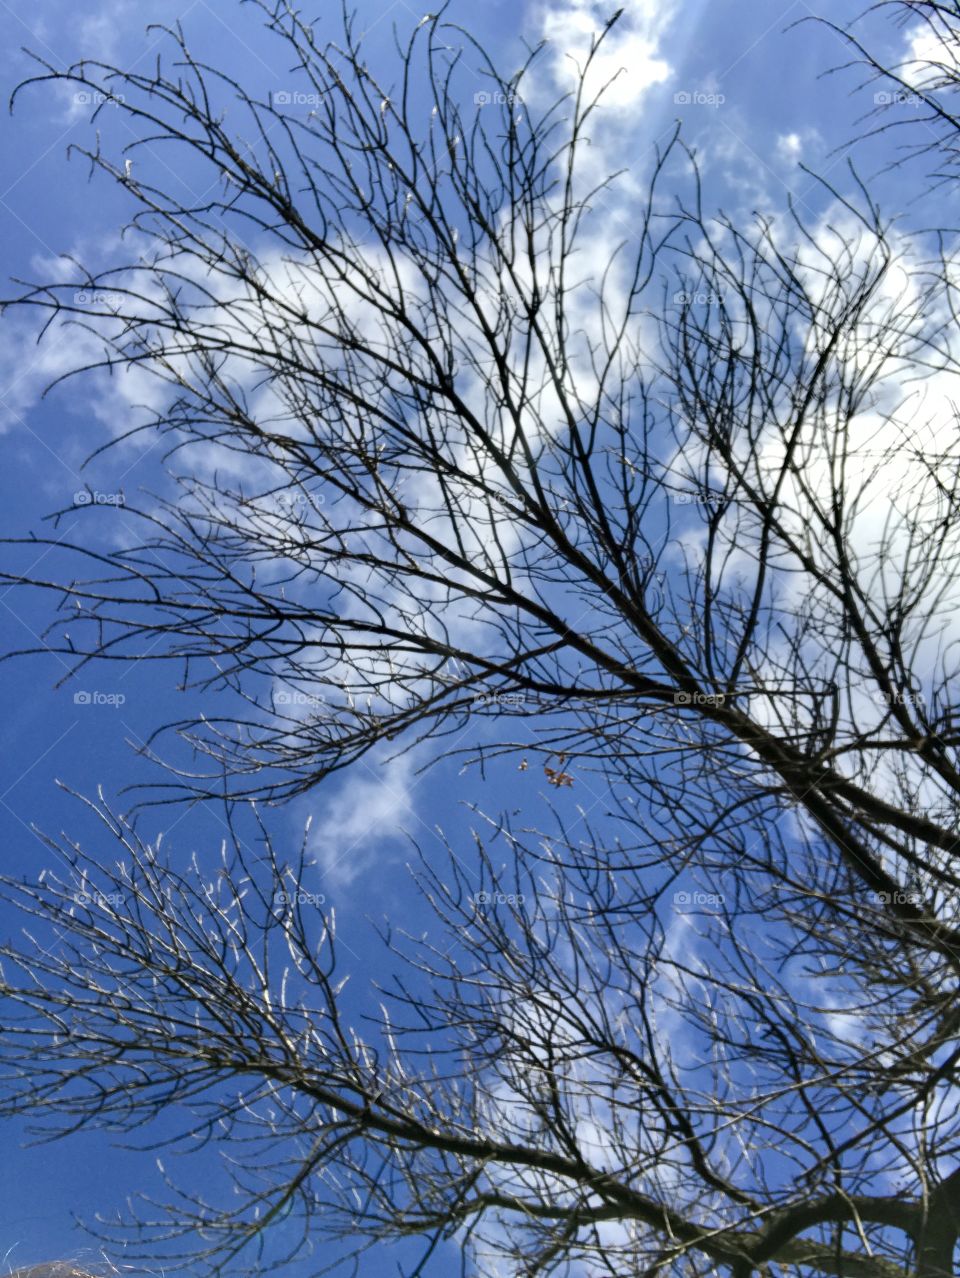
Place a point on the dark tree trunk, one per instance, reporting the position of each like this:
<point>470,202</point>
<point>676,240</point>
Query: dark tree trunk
<point>938,1241</point>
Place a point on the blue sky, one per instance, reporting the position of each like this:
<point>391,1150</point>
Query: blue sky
<point>751,99</point>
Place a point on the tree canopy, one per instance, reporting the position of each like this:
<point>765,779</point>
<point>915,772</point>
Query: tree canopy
<point>668,500</point>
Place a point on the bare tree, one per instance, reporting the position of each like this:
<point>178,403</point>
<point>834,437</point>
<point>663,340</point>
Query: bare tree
<point>554,1082</point>
<point>54,1269</point>
<point>58,1269</point>
<point>673,511</point>
<point>918,104</point>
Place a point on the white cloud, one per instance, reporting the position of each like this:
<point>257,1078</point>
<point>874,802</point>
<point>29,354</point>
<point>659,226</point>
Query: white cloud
<point>630,55</point>
<point>929,58</point>
<point>373,808</point>
<point>790,146</point>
